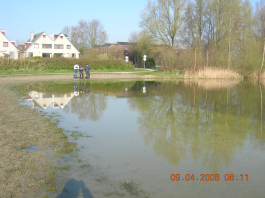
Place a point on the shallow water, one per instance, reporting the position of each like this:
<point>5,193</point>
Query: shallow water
<point>175,127</point>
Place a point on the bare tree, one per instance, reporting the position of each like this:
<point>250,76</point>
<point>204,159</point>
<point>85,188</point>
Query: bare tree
<point>96,33</point>
<point>67,31</point>
<point>162,19</point>
<point>86,34</point>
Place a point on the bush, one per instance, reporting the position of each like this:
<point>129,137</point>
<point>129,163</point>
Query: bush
<point>61,63</point>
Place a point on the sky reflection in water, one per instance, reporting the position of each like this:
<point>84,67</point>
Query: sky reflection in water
<point>180,127</point>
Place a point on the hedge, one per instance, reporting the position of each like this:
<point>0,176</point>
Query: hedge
<point>61,63</point>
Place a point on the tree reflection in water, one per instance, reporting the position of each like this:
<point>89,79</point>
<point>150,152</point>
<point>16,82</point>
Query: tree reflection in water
<point>180,119</point>
<point>88,106</point>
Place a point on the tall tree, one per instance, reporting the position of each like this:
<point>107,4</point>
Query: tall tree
<point>162,19</point>
<point>86,34</point>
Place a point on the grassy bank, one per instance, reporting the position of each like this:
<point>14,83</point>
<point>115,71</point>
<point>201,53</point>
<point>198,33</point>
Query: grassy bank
<point>23,172</point>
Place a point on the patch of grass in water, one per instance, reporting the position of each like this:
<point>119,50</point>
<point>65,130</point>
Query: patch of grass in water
<point>77,134</point>
<point>61,168</point>
<point>133,189</point>
<point>113,192</point>
<point>85,166</point>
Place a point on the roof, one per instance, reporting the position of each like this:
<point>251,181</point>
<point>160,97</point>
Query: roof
<point>52,36</point>
<point>36,36</point>
<point>8,40</point>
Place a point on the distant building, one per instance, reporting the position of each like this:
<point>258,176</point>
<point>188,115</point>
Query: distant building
<point>117,50</point>
<point>45,45</point>
<point>7,48</point>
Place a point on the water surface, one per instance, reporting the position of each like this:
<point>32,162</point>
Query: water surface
<point>147,131</point>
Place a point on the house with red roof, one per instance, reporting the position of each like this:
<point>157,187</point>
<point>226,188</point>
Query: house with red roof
<point>7,47</point>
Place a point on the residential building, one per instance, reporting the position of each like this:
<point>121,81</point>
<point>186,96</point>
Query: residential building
<point>45,45</point>
<point>7,48</point>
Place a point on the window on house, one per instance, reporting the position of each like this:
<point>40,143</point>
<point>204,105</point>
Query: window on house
<point>61,37</point>
<point>68,46</point>
<point>5,44</point>
<point>73,55</point>
<point>36,45</point>
<point>47,46</point>
<point>30,54</point>
<point>44,36</point>
<point>46,55</point>
<point>58,46</point>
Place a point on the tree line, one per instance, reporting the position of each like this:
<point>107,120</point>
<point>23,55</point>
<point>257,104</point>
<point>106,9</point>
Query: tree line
<point>193,34</point>
<point>86,34</point>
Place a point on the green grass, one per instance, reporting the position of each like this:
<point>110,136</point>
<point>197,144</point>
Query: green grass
<point>177,74</point>
<point>21,72</point>
<point>59,71</point>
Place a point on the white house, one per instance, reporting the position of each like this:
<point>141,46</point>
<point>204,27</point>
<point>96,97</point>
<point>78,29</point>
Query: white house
<point>7,48</point>
<point>45,45</point>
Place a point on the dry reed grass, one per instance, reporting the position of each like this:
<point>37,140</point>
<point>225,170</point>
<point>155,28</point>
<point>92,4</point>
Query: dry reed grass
<point>211,72</point>
<point>212,84</point>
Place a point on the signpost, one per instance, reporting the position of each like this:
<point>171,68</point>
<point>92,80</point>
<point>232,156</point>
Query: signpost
<point>126,58</point>
<point>144,60</point>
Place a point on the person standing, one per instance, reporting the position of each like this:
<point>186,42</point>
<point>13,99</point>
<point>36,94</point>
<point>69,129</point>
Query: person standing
<point>87,69</point>
<point>76,67</point>
<point>81,68</point>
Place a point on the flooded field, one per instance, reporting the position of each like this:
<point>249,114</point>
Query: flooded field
<point>158,139</point>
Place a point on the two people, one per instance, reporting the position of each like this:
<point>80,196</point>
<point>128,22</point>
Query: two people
<point>81,69</point>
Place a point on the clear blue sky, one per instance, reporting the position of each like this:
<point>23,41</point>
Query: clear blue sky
<point>119,17</point>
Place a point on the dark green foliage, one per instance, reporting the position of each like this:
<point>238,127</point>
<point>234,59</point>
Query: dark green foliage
<point>61,63</point>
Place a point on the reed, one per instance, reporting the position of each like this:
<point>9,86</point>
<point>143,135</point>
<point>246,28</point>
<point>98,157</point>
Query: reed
<point>212,84</point>
<point>211,72</point>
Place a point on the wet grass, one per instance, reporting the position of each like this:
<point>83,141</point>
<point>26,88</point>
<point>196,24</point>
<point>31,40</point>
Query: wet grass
<point>85,166</point>
<point>77,134</point>
<point>113,193</point>
<point>133,189</point>
<point>21,171</point>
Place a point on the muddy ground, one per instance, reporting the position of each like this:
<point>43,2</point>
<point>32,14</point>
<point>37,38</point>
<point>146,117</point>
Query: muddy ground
<point>23,173</point>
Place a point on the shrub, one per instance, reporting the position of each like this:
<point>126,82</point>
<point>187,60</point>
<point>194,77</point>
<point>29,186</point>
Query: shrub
<point>61,63</point>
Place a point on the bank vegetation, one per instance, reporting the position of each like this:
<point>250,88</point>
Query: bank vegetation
<point>224,35</point>
<point>39,63</point>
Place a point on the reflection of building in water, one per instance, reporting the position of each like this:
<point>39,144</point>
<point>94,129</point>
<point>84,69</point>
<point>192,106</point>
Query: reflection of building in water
<point>44,100</point>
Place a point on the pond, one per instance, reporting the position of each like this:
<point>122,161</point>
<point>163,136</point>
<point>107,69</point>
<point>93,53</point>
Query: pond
<point>184,138</point>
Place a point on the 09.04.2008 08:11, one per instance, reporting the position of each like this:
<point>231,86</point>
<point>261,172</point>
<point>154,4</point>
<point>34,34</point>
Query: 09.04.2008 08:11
<point>209,177</point>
